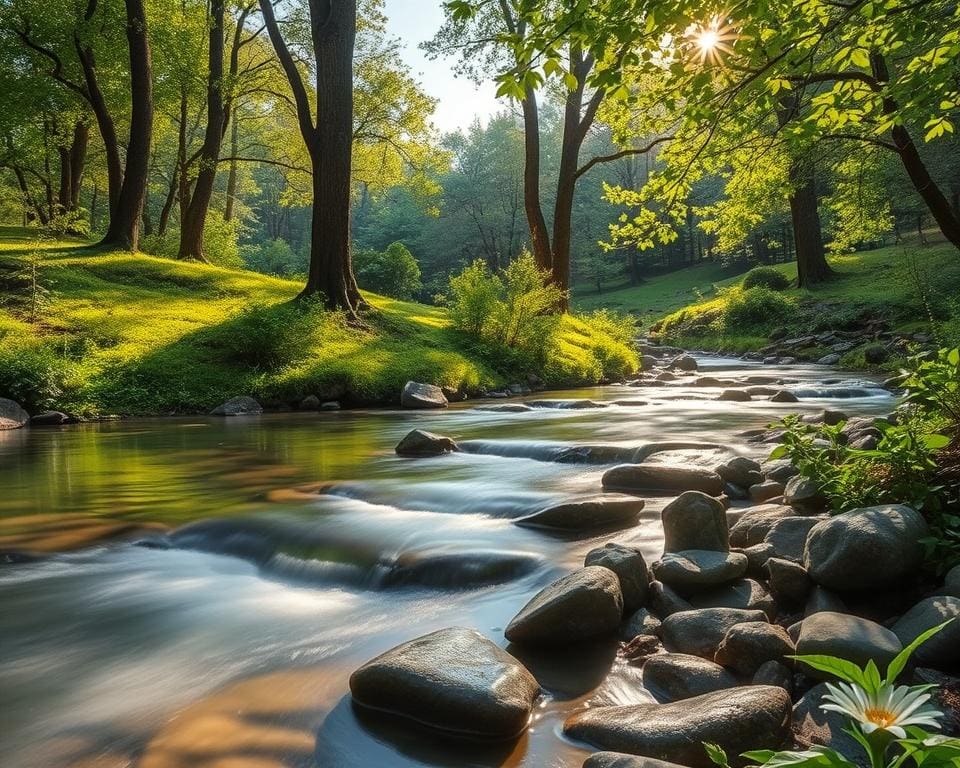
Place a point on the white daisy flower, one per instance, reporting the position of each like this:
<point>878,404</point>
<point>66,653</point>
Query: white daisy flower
<point>889,709</point>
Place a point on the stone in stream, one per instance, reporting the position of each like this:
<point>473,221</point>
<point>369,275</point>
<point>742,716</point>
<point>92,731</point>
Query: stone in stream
<point>419,442</point>
<point>454,680</point>
<point>784,396</point>
<point>620,760</point>
<point>694,570</point>
<point>49,419</point>
<point>505,408</point>
<point>579,606</point>
<point>662,477</point>
<point>631,570</point>
<point>746,594</point>
<point>695,520</point>
<point>847,637</point>
<point>756,522</point>
<point>788,536</point>
<point>734,396</point>
<point>664,601</point>
<point>779,470</point>
<point>768,489</point>
<point>741,471</point>
<point>684,363</point>
<point>238,406</point>
<point>709,381</point>
<point>640,622</point>
<point>748,646</point>
<point>601,512</point>
<point>804,494</point>
<point>942,651</point>
<point>458,570</point>
<point>737,719</point>
<point>870,548</point>
<point>417,395</point>
<point>832,359</point>
<point>674,676</point>
<point>700,631</point>
<point>12,416</point>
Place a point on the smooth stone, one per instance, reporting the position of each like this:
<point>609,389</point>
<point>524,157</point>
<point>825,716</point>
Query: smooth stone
<point>848,637</point>
<point>870,548</point>
<point>641,622</point>
<point>821,599</point>
<point>665,376</point>
<point>734,396</point>
<point>664,601</point>
<point>459,570</point>
<point>773,673</point>
<point>674,676</point>
<point>736,719</point>
<point>832,359</point>
<point>631,570</point>
<point>788,536</point>
<point>741,471</point>
<point>419,442</point>
<point>951,583</point>
<point>601,512</point>
<point>745,594</point>
<point>768,489</point>
<point>579,606</point>
<point>620,760</point>
<point>757,557</point>
<point>417,395</point>
<point>700,631</point>
<point>695,520</point>
<point>779,470</point>
<point>748,646</point>
<point>453,679</point>
<point>697,569</point>
<point>784,396</point>
<point>803,493</point>
<point>814,727</point>
<point>505,408</point>
<point>755,522</point>
<point>330,405</point>
<point>49,419</point>
<point>942,651</point>
<point>238,406</point>
<point>12,416</point>
<point>662,477</point>
<point>684,363</point>
<point>788,581</point>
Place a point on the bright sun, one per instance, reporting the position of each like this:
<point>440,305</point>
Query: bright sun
<point>712,40</point>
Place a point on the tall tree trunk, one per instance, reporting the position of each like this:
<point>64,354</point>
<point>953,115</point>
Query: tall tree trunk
<point>105,123</point>
<point>66,178</point>
<point>539,237</point>
<point>923,182</point>
<point>78,161</point>
<point>232,174</point>
<point>168,202</point>
<point>124,227</point>
<point>812,267</point>
<point>192,224</point>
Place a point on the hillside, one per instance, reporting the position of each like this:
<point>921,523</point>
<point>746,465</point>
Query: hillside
<point>121,333</point>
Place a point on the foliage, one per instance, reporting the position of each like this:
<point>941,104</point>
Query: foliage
<point>221,242</point>
<point>767,277</point>
<point>24,285</point>
<point>393,272</point>
<point>274,257</point>
<point>756,306</point>
<point>32,374</point>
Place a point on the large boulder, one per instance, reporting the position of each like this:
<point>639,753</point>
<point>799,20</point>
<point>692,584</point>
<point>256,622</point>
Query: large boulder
<point>674,676</point>
<point>745,594</point>
<point>803,493</point>
<point>741,471</point>
<point>695,520</point>
<point>12,416</point>
<point>601,512</point>
<point>847,637</point>
<point>417,395</point>
<point>700,631</point>
<point>694,570</point>
<point>684,363</point>
<point>49,419</point>
<point>582,605</point>
<point>788,536</point>
<point>238,406</point>
<point>747,647</point>
<point>755,522</point>
<point>662,477</point>
<point>737,719</point>
<point>630,567</point>
<point>419,442</point>
<point>454,680</point>
<point>869,548</point>
<point>788,581</point>
<point>942,651</point>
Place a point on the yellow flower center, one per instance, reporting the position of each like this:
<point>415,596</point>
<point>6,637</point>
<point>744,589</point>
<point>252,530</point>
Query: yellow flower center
<point>880,717</point>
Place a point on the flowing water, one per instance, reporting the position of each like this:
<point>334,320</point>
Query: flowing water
<point>206,586</point>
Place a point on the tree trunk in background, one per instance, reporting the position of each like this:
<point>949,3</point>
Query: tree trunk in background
<point>232,175</point>
<point>192,224</point>
<point>78,161</point>
<point>812,267</point>
<point>539,237</point>
<point>66,178</point>
<point>124,227</point>
<point>105,124</point>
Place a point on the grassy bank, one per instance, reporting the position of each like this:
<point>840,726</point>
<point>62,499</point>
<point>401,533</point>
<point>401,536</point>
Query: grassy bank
<point>114,332</point>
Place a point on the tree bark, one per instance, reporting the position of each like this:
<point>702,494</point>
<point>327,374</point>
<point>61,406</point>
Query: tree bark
<point>105,124</point>
<point>812,267</point>
<point>539,236</point>
<point>78,161</point>
<point>195,215</point>
<point>124,229</point>
<point>232,174</point>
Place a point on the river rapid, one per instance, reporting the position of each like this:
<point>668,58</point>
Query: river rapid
<point>208,585</point>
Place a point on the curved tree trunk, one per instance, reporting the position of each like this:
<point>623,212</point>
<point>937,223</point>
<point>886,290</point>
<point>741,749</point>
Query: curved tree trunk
<point>539,237</point>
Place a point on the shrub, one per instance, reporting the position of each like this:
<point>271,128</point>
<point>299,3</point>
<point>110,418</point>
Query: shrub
<point>754,307</point>
<point>393,272</point>
<point>274,257</point>
<point>221,242</point>
<point>31,375</point>
<point>766,277</point>
<point>473,298</point>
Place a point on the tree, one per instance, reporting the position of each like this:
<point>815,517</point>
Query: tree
<point>393,272</point>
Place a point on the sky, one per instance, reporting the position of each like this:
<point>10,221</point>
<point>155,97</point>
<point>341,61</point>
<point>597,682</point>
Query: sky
<point>460,101</point>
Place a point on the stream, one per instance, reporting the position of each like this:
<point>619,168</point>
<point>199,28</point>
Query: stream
<point>208,585</point>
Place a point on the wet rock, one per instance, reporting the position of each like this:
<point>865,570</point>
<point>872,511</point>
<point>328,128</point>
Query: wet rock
<point>664,601</point>
<point>745,594</point>
<point>454,680</point>
<point>708,381</point>
<point>620,760</point>
<point>757,557</point>
<point>418,395</point>
<point>238,406</point>
<point>788,581</point>
<point>310,403</point>
<point>813,727</point>
<point>699,632</point>
<point>737,719</point>
<point>734,396</point>
<point>848,637</point>
<point>741,471</point>
<point>665,376</point>
<point>694,570</point>
<point>684,363</point>
<point>784,396</point>
<point>735,493</point>
<point>788,536</point>
<point>695,520</point>
<point>641,648</point>
<point>582,605</point>
<point>779,470</point>
<point>773,673</point>
<point>869,548</point>
<point>942,651</point>
<point>505,408</point>
<point>49,419</point>
<point>748,646</point>
<point>768,489</point>
<point>631,570</point>
<point>12,416</point>
<point>330,405</point>
<point>458,570</point>
<point>755,523</point>
<point>951,584</point>
<point>674,676</point>
<point>821,599</point>
<point>419,442</point>
<point>640,622</point>
<point>662,477</point>
<point>601,512</point>
<point>803,493</point>
<point>832,359</point>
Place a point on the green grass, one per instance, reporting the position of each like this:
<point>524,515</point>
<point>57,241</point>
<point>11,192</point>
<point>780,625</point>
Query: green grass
<point>133,334</point>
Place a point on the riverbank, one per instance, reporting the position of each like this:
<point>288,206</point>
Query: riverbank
<point>95,333</point>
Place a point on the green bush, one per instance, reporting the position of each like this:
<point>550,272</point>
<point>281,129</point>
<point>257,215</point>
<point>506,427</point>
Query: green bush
<point>274,257</point>
<point>32,375</point>
<point>754,307</point>
<point>221,242</point>
<point>473,298</point>
<point>393,272</point>
<point>766,277</point>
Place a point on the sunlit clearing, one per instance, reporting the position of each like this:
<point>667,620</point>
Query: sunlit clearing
<point>711,40</point>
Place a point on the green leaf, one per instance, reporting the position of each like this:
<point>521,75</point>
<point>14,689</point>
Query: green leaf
<point>897,665</point>
<point>716,754</point>
<point>872,674</point>
<point>839,668</point>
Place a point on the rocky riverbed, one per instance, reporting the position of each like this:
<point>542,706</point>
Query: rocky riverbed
<point>532,582</point>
